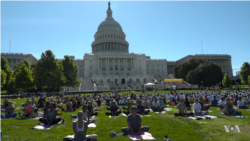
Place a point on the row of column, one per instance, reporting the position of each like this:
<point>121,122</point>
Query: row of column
<point>104,63</point>
<point>110,47</point>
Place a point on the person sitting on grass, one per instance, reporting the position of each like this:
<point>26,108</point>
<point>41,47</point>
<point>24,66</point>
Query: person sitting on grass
<point>197,108</point>
<point>86,115</point>
<point>127,108</point>
<point>248,99</point>
<point>141,109</point>
<point>28,111</point>
<point>146,104</point>
<point>221,103</point>
<point>236,100</point>
<point>241,104</point>
<point>68,106</point>
<point>9,110</point>
<point>45,109</point>
<point>50,117</point>
<point>80,127</point>
<point>40,103</point>
<point>99,102</point>
<point>74,104</point>
<point>214,102</point>
<point>182,109</point>
<point>206,100</point>
<point>91,109</point>
<point>229,110</point>
<point>187,103</point>
<point>115,110</point>
<point>134,123</point>
<point>121,102</point>
<point>203,106</point>
<point>232,99</point>
<point>157,106</point>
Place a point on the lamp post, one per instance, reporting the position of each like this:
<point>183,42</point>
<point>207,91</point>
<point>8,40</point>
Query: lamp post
<point>201,84</point>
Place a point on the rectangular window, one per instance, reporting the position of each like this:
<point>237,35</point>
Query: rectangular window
<point>90,67</point>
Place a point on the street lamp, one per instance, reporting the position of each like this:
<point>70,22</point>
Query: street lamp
<point>202,84</point>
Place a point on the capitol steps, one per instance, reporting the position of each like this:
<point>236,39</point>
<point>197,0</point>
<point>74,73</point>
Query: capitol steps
<point>86,84</point>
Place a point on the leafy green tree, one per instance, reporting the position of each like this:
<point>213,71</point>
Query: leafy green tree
<point>187,66</point>
<point>209,74</point>
<point>192,77</point>
<point>3,77</point>
<point>23,79</point>
<point>176,71</point>
<point>48,71</point>
<point>226,82</point>
<point>70,72</point>
<point>244,72</point>
<point>248,79</point>
<point>5,67</point>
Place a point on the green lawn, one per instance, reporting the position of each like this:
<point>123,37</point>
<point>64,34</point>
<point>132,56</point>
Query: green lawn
<point>179,129</point>
<point>245,86</point>
<point>4,92</point>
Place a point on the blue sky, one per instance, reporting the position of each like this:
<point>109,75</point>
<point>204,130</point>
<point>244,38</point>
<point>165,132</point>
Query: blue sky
<point>162,30</point>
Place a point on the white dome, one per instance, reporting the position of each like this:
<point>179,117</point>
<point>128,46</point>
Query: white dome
<point>110,36</point>
<point>109,25</point>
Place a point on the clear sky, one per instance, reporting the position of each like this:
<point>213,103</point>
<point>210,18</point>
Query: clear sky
<point>162,30</point>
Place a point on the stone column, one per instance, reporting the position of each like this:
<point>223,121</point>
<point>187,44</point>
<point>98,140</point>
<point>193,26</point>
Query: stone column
<point>98,60</point>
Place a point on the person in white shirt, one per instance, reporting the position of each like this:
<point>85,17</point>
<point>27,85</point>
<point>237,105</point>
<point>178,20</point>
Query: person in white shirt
<point>221,103</point>
<point>121,102</point>
<point>241,104</point>
<point>248,99</point>
<point>197,108</point>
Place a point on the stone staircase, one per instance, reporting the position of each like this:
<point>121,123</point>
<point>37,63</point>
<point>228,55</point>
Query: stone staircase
<point>87,84</point>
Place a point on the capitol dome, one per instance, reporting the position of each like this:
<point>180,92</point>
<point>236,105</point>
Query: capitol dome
<point>109,36</point>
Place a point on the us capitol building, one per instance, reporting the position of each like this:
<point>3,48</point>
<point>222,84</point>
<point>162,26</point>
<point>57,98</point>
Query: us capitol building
<point>110,65</point>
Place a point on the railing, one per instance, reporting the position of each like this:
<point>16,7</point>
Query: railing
<point>12,53</point>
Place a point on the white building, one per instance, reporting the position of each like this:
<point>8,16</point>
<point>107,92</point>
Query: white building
<point>15,58</point>
<point>111,66</point>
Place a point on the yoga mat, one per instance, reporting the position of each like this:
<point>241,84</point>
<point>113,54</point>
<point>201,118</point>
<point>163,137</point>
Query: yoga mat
<point>13,115</point>
<point>163,112</point>
<point>241,116</point>
<point>145,115</point>
<point>124,114</point>
<point>92,125</point>
<point>210,111</point>
<point>36,118</point>
<point>42,127</point>
<point>41,114</point>
<point>168,109</point>
<point>245,109</point>
<point>203,117</point>
<point>143,136</point>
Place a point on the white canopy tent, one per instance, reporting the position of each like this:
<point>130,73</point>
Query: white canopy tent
<point>149,86</point>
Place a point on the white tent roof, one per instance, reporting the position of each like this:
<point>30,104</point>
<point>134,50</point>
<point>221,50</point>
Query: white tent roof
<point>149,84</point>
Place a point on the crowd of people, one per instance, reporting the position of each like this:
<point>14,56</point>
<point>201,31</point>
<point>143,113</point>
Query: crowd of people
<point>132,105</point>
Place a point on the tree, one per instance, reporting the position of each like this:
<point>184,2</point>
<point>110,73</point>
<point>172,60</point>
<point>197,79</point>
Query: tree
<point>188,66</point>
<point>226,82</point>
<point>248,79</point>
<point>209,74</point>
<point>48,71</point>
<point>192,77</point>
<point>23,79</point>
<point>70,72</point>
<point>244,72</point>
<point>5,67</point>
<point>3,77</point>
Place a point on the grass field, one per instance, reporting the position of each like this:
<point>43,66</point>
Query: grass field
<point>245,86</point>
<point>4,92</point>
<point>178,129</point>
